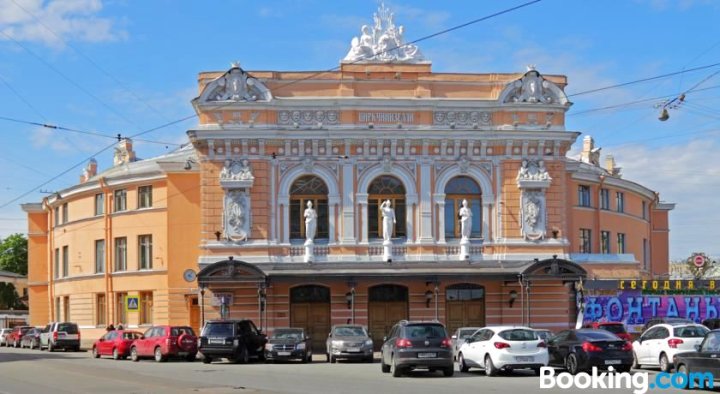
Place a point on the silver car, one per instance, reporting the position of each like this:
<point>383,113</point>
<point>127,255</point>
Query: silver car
<point>458,338</point>
<point>4,332</point>
<point>349,342</point>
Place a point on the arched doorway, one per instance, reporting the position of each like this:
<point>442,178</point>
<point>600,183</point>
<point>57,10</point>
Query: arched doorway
<point>310,309</point>
<point>304,189</point>
<point>386,188</point>
<point>387,304</point>
<point>464,306</point>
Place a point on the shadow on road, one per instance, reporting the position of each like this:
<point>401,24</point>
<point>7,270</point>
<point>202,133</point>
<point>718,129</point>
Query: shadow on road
<point>29,355</point>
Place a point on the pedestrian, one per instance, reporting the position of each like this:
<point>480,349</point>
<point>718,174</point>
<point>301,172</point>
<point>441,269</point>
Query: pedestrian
<point>120,326</point>
<point>110,328</point>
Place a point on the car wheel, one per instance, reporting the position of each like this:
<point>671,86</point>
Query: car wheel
<point>158,355</point>
<point>664,363</point>
<point>462,366</point>
<point>191,357</point>
<point>490,369</point>
<point>242,357</point>
<point>635,364</point>
<point>682,369</point>
<point>206,360</point>
<point>15,344</point>
<point>536,371</point>
<point>449,371</point>
<point>571,364</point>
<point>95,353</point>
<point>50,347</point>
<point>333,360</point>
<point>327,357</point>
<point>383,367</point>
<point>134,354</point>
<point>116,354</point>
<point>309,358</point>
<point>304,359</point>
<point>394,369</point>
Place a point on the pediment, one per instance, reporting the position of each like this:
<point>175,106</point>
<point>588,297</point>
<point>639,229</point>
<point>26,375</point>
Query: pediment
<point>231,271</point>
<point>236,85</point>
<point>533,88</point>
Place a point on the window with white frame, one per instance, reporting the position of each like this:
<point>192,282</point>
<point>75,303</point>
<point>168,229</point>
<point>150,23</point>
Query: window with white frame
<point>99,256</point>
<point>384,188</point>
<point>584,196</point>
<point>145,252</point>
<point>145,197</point>
<point>306,189</point>
<point>585,240</point>
<point>120,200</point>
<point>620,201</point>
<point>605,242</point>
<point>458,189</point>
<point>604,199</point>
<point>99,204</point>
<point>621,243</point>
<point>121,254</point>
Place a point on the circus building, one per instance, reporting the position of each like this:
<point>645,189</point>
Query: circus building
<point>378,192</point>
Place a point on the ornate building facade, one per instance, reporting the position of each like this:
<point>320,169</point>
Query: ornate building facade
<point>378,192</point>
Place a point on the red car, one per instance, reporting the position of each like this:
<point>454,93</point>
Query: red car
<point>614,327</point>
<point>16,335</point>
<point>163,342</point>
<point>115,343</point>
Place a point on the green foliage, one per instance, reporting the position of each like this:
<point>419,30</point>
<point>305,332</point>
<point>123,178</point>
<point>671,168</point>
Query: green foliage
<point>9,298</point>
<point>14,254</point>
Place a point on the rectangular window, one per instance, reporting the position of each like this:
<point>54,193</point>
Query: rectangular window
<point>100,310</point>
<point>66,308</point>
<point>121,254</point>
<point>584,196</point>
<point>99,204</point>
<point>56,274</point>
<point>585,240</point>
<point>146,307</point>
<point>604,199</point>
<point>646,254</point>
<point>145,252</point>
<point>66,261</point>
<point>99,256</point>
<point>605,242</point>
<point>144,197</point>
<point>56,211</point>
<point>120,314</point>
<point>65,216</point>
<point>644,210</point>
<point>621,243</point>
<point>120,200</point>
<point>620,202</point>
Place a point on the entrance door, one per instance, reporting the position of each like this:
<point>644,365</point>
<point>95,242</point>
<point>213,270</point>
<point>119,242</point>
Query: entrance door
<point>194,318</point>
<point>464,306</point>
<point>387,304</point>
<point>310,309</point>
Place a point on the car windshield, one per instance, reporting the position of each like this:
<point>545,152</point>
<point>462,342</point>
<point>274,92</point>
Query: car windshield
<point>614,328</point>
<point>596,335</point>
<point>426,331</point>
<point>218,330</point>
<point>690,331</point>
<point>177,331</point>
<point>518,334</point>
<point>287,334</point>
<point>466,333</point>
<point>67,328</point>
<point>349,332</point>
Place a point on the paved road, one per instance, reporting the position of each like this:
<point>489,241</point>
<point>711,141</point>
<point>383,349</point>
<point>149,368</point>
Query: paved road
<point>32,371</point>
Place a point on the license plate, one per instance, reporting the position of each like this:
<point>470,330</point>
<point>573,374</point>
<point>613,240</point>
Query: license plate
<point>182,354</point>
<point>283,353</point>
<point>612,362</point>
<point>524,359</point>
<point>220,341</point>
<point>352,350</point>
<point>427,355</point>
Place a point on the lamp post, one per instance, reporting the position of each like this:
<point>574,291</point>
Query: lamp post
<point>437,291</point>
<point>202,306</point>
<point>262,297</point>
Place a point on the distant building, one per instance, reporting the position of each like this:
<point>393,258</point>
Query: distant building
<point>233,206</point>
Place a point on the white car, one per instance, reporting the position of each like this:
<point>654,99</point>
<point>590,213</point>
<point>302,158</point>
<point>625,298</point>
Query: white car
<point>507,348</point>
<point>458,338</point>
<point>658,345</point>
<point>4,332</point>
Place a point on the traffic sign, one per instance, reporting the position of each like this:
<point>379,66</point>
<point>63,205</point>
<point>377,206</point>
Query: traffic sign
<point>132,303</point>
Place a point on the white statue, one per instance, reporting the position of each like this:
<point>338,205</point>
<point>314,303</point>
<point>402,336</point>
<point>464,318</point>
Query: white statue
<point>523,172</point>
<point>310,222</point>
<point>225,173</point>
<point>245,173</point>
<point>388,215</point>
<point>465,220</point>
<point>532,210</point>
<point>236,216</point>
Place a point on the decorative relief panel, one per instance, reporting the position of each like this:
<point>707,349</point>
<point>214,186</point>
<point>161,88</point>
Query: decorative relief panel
<point>462,118</point>
<point>533,179</point>
<point>235,85</point>
<point>307,117</point>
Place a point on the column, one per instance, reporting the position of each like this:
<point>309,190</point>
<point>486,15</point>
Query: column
<point>333,202</point>
<point>348,206</point>
<point>440,200</point>
<point>362,200</point>
<point>425,203</point>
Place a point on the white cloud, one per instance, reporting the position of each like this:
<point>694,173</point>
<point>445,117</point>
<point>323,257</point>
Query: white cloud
<point>56,22</point>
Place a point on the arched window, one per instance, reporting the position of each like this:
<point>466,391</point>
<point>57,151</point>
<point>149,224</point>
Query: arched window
<point>304,189</point>
<point>381,189</point>
<point>458,189</point>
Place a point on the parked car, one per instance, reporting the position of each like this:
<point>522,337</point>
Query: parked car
<point>236,340</point>
<point>614,327</point>
<point>661,342</point>
<point>288,344</point>
<point>349,342</point>
<point>4,332</point>
<point>412,345</point>
<point>665,320</point>
<point>31,339</point>
<point>458,338</point>
<point>705,358</point>
<point>60,335</point>
<point>712,324</point>
<point>163,342</point>
<point>115,343</point>
<point>497,348</point>
<point>16,335</point>
<point>580,350</point>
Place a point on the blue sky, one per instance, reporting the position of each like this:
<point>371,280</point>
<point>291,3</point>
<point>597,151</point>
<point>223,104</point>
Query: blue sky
<point>124,67</point>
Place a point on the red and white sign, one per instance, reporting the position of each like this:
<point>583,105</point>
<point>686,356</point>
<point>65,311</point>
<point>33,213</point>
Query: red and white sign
<point>699,260</point>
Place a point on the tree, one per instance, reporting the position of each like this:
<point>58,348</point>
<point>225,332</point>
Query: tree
<point>9,298</point>
<point>14,254</point>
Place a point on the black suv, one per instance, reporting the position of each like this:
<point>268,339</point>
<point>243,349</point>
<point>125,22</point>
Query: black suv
<point>411,345</point>
<point>236,340</point>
